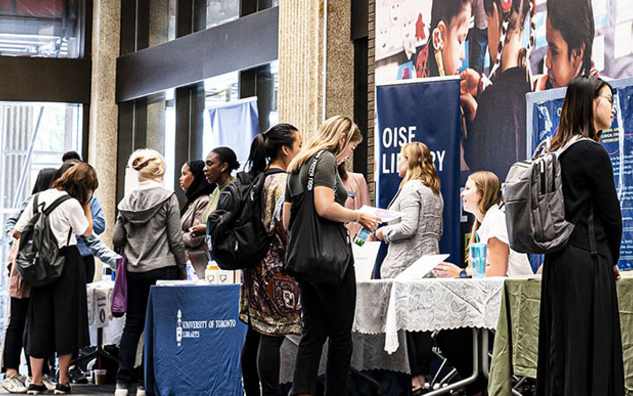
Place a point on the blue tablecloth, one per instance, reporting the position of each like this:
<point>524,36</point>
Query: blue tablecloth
<point>193,338</point>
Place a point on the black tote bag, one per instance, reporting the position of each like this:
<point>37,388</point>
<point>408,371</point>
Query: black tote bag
<point>319,250</point>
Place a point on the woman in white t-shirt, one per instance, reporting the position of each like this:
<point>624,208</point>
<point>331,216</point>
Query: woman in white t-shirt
<point>58,314</point>
<point>482,197</point>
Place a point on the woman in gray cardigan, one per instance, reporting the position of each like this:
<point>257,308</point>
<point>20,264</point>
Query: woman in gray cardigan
<point>415,234</point>
<point>419,230</point>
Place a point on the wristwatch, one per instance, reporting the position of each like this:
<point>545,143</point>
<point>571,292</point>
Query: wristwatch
<point>463,273</point>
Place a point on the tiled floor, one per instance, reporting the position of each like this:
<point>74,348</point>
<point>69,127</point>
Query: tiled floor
<point>87,389</point>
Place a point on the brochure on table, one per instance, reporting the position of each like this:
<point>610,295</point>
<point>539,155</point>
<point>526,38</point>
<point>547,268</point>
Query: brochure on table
<point>422,267</point>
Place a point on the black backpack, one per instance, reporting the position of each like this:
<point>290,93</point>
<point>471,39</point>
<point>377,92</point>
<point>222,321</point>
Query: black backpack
<point>39,259</point>
<point>238,238</point>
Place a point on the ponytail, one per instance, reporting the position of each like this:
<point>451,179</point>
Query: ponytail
<point>257,157</point>
<point>266,146</point>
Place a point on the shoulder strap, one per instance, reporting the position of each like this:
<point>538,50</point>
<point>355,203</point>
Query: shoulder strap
<point>35,202</point>
<point>571,142</point>
<point>312,169</point>
<point>56,203</point>
<point>274,171</point>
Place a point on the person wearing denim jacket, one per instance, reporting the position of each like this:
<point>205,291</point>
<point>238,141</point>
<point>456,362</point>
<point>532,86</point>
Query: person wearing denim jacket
<point>99,226</point>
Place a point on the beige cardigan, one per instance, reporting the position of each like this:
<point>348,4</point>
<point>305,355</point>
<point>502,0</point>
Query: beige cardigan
<point>194,245</point>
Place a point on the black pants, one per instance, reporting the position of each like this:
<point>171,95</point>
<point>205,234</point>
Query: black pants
<point>419,349</point>
<point>58,311</point>
<point>89,262</point>
<point>328,312</point>
<point>15,335</point>
<point>138,285</point>
<point>260,363</point>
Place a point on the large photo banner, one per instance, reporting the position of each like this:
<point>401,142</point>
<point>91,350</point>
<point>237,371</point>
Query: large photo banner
<point>544,109</point>
<point>426,112</point>
<point>502,50</point>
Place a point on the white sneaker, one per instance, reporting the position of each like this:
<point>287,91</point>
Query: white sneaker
<point>121,390</point>
<point>140,391</point>
<point>48,383</point>
<point>14,384</point>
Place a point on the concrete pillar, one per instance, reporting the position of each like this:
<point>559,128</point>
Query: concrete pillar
<point>301,60</point>
<point>104,110</point>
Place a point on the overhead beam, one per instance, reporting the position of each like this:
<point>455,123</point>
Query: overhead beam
<point>242,44</point>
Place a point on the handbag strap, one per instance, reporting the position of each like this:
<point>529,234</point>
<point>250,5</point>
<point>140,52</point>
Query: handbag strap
<point>312,172</point>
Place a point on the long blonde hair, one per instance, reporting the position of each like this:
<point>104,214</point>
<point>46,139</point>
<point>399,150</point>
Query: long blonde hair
<point>489,187</point>
<point>421,166</point>
<point>150,164</point>
<point>327,138</point>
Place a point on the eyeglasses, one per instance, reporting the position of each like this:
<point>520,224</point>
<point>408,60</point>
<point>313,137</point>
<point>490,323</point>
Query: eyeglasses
<point>608,98</point>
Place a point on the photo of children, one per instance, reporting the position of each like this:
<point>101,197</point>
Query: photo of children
<point>502,49</point>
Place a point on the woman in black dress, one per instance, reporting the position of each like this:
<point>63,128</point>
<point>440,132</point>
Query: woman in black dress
<point>580,348</point>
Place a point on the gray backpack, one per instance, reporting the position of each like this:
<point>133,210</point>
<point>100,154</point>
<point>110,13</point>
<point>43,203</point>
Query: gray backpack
<point>39,259</point>
<point>535,210</point>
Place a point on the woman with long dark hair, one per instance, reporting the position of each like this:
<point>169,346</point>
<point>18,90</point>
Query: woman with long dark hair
<point>269,299</point>
<point>197,190</point>
<point>580,346</point>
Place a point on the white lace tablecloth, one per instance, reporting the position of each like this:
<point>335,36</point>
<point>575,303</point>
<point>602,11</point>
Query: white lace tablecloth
<point>386,306</point>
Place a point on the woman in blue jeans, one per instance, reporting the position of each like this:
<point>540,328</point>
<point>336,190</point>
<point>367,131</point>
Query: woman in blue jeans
<point>148,229</point>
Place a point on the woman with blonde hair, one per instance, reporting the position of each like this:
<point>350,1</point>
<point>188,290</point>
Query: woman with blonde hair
<point>327,310</point>
<point>481,197</point>
<point>415,234</point>
<point>419,230</point>
<point>148,229</point>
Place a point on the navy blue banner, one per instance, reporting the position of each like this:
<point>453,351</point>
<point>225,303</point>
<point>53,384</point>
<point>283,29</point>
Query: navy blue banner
<point>426,111</point>
<point>193,339</point>
<point>544,109</point>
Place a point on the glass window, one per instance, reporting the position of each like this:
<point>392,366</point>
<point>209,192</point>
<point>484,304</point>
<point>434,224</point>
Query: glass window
<point>273,116</point>
<point>218,90</point>
<point>161,132</point>
<point>33,136</point>
<point>222,11</point>
<point>50,29</point>
<point>162,21</point>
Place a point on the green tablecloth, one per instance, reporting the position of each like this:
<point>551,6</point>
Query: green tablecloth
<point>518,321</point>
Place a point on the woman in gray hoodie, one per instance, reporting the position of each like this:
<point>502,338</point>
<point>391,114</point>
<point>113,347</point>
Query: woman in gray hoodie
<point>148,229</point>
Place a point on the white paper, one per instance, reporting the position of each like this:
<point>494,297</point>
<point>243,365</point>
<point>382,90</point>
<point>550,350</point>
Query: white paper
<point>384,214</point>
<point>364,259</point>
<point>422,267</point>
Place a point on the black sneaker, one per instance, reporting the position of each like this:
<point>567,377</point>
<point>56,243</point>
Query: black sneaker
<point>62,389</point>
<point>36,389</point>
